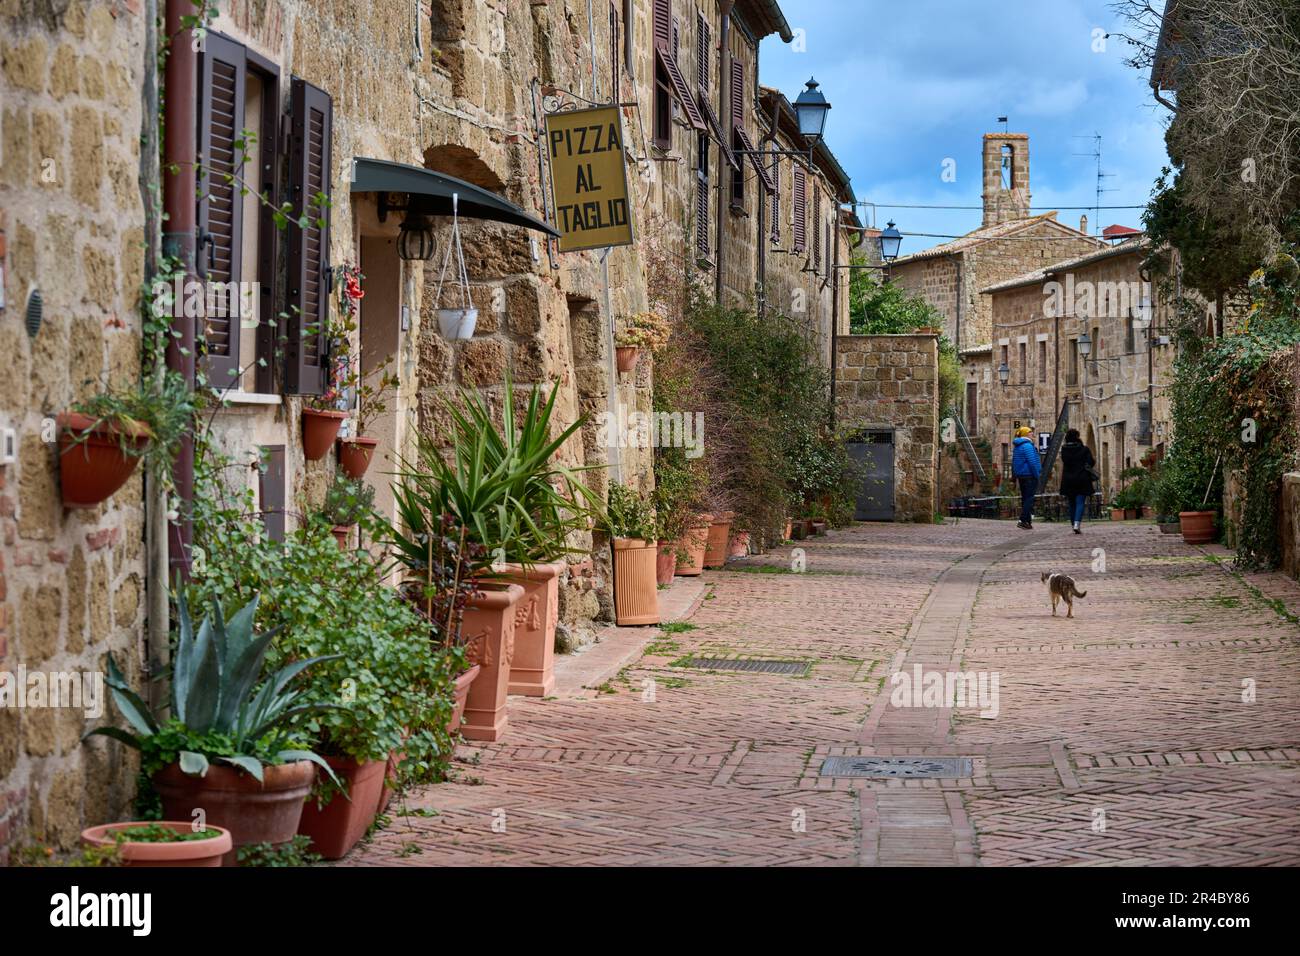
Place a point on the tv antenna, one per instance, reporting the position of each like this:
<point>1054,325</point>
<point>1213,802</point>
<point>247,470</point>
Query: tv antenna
<point>1095,153</point>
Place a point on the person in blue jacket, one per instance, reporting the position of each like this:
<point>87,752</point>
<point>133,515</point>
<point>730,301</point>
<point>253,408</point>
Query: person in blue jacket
<point>1026,467</point>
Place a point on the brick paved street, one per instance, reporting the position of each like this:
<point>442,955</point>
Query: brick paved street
<point>1121,736</point>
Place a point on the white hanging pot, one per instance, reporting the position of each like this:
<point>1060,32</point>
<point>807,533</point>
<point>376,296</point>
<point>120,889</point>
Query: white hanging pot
<point>457,323</point>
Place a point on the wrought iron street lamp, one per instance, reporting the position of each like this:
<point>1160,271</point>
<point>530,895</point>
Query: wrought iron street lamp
<point>811,108</point>
<point>890,241</point>
<point>1004,373</point>
<point>1085,345</point>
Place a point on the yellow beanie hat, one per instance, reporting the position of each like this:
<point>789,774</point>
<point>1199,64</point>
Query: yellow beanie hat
<point>1023,432</point>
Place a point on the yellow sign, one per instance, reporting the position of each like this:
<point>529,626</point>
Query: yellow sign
<point>588,178</point>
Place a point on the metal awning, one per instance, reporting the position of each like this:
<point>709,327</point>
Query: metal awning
<point>431,193</point>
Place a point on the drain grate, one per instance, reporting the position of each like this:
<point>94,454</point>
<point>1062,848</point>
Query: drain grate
<point>798,668</point>
<point>910,767</point>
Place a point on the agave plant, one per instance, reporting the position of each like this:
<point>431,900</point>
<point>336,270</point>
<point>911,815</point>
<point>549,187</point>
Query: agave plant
<point>216,696</point>
<point>500,485</point>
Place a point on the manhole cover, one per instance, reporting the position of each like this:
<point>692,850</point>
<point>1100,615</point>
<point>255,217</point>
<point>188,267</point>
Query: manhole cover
<point>749,666</point>
<point>896,767</point>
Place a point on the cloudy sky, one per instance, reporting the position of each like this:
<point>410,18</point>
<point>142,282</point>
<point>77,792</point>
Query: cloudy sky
<point>915,82</point>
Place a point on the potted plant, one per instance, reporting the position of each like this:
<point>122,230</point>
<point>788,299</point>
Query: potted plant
<point>356,450</point>
<point>455,322</point>
<point>680,487</point>
<point>161,843</point>
<point>715,549</point>
<point>102,439</point>
<point>229,744</point>
<point>347,501</point>
<point>646,330</point>
<point>692,545</point>
<point>630,523</point>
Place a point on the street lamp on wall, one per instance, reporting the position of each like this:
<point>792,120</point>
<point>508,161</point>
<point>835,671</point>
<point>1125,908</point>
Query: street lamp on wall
<point>1004,373</point>
<point>416,243</point>
<point>1085,345</point>
<point>810,109</point>
<point>890,241</point>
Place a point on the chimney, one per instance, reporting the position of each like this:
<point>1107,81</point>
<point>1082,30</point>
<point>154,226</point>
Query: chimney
<point>1083,224</point>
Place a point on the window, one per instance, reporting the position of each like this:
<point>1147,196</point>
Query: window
<point>1005,357</point>
<point>800,210</point>
<point>1023,362</point>
<point>1130,338</point>
<point>1072,373</point>
<point>663,118</point>
<point>670,86</point>
<point>738,129</point>
<point>1042,361</point>
<point>1144,423</point>
<point>702,190</point>
<point>1008,167</point>
<point>238,91</point>
<point>1096,342</point>
<point>270,490</point>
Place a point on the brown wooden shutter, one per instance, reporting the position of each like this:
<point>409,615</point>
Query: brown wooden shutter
<point>663,24</point>
<point>270,490</point>
<point>702,217</point>
<point>800,210</point>
<point>309,287</point>
<point>776,198</point>
<point>222,72</point>
<point>817,228</point>
<point>737,94</point>
<point>703,55</point>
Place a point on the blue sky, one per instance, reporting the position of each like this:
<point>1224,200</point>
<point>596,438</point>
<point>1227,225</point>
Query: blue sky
<point>914,82</point>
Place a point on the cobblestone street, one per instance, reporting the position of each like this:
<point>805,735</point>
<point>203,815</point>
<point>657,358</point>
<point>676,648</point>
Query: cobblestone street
<point>1120,736</point>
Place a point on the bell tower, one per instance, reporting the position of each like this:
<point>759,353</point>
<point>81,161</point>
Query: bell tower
<point>1006,177</point>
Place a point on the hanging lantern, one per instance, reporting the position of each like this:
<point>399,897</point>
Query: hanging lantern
<point>416,241</point>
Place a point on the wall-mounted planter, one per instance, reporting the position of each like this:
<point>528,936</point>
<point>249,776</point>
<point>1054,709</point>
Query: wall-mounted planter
<point>1197,526</point>
<point>489,629</point>
<point>319,429</point>
<point>625,356</point>
<point>93,467</point>
<point>182,853</point>
<point>339,825</point>
<point>457,324</point>
<point>692,545</point>
<point>636,596</point>
<point>532,671</point>
<point>355,455</point>
<point>253,812</point>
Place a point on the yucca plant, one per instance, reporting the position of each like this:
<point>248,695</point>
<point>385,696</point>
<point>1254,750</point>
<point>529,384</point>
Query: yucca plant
<point>500,485</point>
<point>220,708</point>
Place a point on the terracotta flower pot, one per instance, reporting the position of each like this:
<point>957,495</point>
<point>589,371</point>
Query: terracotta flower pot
<point>789,529</point>
<point>355,454</point>
<point>1148,511</point>
<point>739,546</point>
<point>253,812</point>
<point>1130,514</point>
<point>319,429</point>
<point>1197,526</point>
<point>341,533</point>
<point>183,853</point>
<point>91,469</point>
<point>1116,514</point>
<point>463,684</point>
<point>715,552</point>
<point>532,672</point>
<point>666,563</point>
<point>692,545</point>
<point>340,824</point>
<point>489,629</point>
<point>625,356</point>
<point>636,598</point>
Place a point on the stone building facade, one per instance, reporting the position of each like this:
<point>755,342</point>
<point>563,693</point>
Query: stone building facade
<point>1116,396</point>
<point>456,87</point>
<point>890,383</point>
<point>71,230</point>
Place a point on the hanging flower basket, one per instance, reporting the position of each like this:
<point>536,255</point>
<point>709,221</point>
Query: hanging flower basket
<point>355,455</point>
<point>455,322</point>
<point>319,429</point>
<point>93,462</point>
<point>626,356</point>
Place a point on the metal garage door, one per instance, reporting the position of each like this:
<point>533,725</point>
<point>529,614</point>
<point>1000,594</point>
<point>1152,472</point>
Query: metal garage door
<point>875,450</point>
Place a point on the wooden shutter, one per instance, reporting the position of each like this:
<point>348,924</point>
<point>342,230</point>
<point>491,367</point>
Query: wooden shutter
<point>737,94</point>
<point>702,217</point>
<point>800,210</point>
<point>222,72</point>
<point>776,198</point>
<point>817,228</point>
<point>663,24</point>
<point>703,64</point>
<point>309,292</point>
<point>270,490</point>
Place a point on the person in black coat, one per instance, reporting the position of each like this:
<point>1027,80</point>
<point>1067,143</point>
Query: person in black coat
<point>1077,466</point>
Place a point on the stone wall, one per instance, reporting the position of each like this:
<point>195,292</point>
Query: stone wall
<point>891,381</point>
<point>71,582</point>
